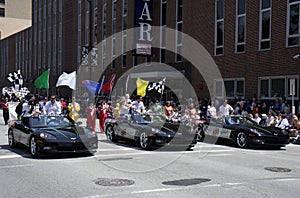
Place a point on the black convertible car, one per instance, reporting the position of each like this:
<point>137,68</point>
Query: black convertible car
<point>243,131</point>
<point>52,134</point>
<point>149,132</point>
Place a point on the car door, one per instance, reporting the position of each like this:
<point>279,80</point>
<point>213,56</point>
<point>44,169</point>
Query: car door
<point>123,125</point>
<point>19,134</point>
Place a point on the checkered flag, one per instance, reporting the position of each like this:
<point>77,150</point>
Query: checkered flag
<point>23,92</point>
<point>11,77</point>
<point>158,86</point>
<point>15,77</point>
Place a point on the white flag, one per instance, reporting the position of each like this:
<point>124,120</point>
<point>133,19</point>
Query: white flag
<point>67,80</point>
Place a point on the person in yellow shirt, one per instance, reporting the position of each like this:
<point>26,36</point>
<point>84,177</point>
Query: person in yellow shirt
<point>74,109</point>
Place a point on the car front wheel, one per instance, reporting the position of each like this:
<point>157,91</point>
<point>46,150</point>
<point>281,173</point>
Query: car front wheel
<point>11,139</point>
<point>144,141</point>
<point>242,140</point>
<point>110,134</point>
<point>34,147</point>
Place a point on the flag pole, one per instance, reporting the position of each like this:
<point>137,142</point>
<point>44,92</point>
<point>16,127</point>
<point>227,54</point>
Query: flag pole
<point>99,91</point>
<point>48,83</point>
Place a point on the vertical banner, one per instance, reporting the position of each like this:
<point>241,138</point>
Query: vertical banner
<point>143,20</point>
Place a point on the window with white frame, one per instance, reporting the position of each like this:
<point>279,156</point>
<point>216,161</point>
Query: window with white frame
<point>124,33</point>
<point>240,33</point>
<point>265,25</point>
<point>113,31</point>
<point>179,22</point>
<point>104,7</point>
<point>293,23</point>
<point>277,86</point>
<point>79,34</point>
<point>233,87</point>
<point>163,25</point>
<point>219,27</point>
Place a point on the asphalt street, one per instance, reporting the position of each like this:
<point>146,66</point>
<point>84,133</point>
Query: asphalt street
<point>124,170</point>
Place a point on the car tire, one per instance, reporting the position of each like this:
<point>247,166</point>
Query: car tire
<point>11,139</point>
<point>242,140</point>
<point>144,141</point>
<point>33,146</point>
<point>110,134</point>
<point>200,134</point>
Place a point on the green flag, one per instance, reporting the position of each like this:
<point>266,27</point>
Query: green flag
<point>43,80</point>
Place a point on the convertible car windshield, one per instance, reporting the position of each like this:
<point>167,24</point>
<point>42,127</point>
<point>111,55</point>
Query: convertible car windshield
<point>50,121</point>
<point>238,120</point>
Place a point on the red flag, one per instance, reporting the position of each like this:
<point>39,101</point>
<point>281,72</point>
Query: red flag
<point>109,85</point>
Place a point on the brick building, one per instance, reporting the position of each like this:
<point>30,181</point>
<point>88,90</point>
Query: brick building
<point>253,43</point>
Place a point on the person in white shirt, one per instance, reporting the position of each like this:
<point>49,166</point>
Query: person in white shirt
<point>283,122</point>
<point>211,110</point>
<point>139,105</point>
<point>256,118</point>
<point>270,119</point>
<point>225,109</point>
<point>53,107</point>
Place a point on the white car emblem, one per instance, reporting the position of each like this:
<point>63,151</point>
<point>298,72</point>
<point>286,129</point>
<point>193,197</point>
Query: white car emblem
<point>73,138</point>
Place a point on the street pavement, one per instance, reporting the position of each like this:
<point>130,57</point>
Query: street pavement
<point>124,170</point>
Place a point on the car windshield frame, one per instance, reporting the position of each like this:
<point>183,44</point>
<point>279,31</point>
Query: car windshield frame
<point>239,120</point>
<point>50,121</point>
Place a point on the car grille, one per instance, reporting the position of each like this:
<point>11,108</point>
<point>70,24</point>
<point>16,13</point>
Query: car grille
<point>77,146</point>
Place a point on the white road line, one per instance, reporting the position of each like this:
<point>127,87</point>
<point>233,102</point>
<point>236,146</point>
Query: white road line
<point>10,156</point>
<point>212,185</point>
<point>214,151</point>
<point>15,166</point>
<point>288,179</point>
<point>155,190</point>
<point>217,155</point>
<point>234,184</point>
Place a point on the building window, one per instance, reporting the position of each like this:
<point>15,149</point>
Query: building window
<point>179,21</point>
<point>219,27</point>
<point>233,87</point>
<point>2,12</point>
<point>2,1</point>
<point>104,7</point>
<point>113,32</point>
<point>265,25</point>
<point>240,36</point>
<point>124,33</point>
<point>163,25</point>
<point>293,23</point>
<point>277,86</point>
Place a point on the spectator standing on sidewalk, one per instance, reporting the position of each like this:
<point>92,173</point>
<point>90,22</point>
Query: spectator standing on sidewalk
<point>91,117</point>
<point>225,109</point>
<point>102,109</point>
<point>74,109</point>
<point>5,108</point>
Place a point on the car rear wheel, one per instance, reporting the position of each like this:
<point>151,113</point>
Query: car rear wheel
<point>11,139</point>
<point>34,147</point>
<point>144,141</point>
<point>242,140</point>
<point>110,134</point>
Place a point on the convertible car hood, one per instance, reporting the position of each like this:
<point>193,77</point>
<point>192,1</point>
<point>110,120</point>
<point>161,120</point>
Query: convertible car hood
<point>264,129</point>
<point>68,133</point>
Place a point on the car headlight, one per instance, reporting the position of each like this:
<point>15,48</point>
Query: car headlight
<point>155,130</point>
<point>47,136</point>
<point>91,134</point>
<point>254,130</point>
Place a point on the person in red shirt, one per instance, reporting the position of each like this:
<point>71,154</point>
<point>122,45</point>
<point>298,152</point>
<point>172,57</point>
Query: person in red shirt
<point>168,111</point>
<point>91,117</point>
<point>64,106</point>
<point>103,109</point>
<point>5,108</point>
